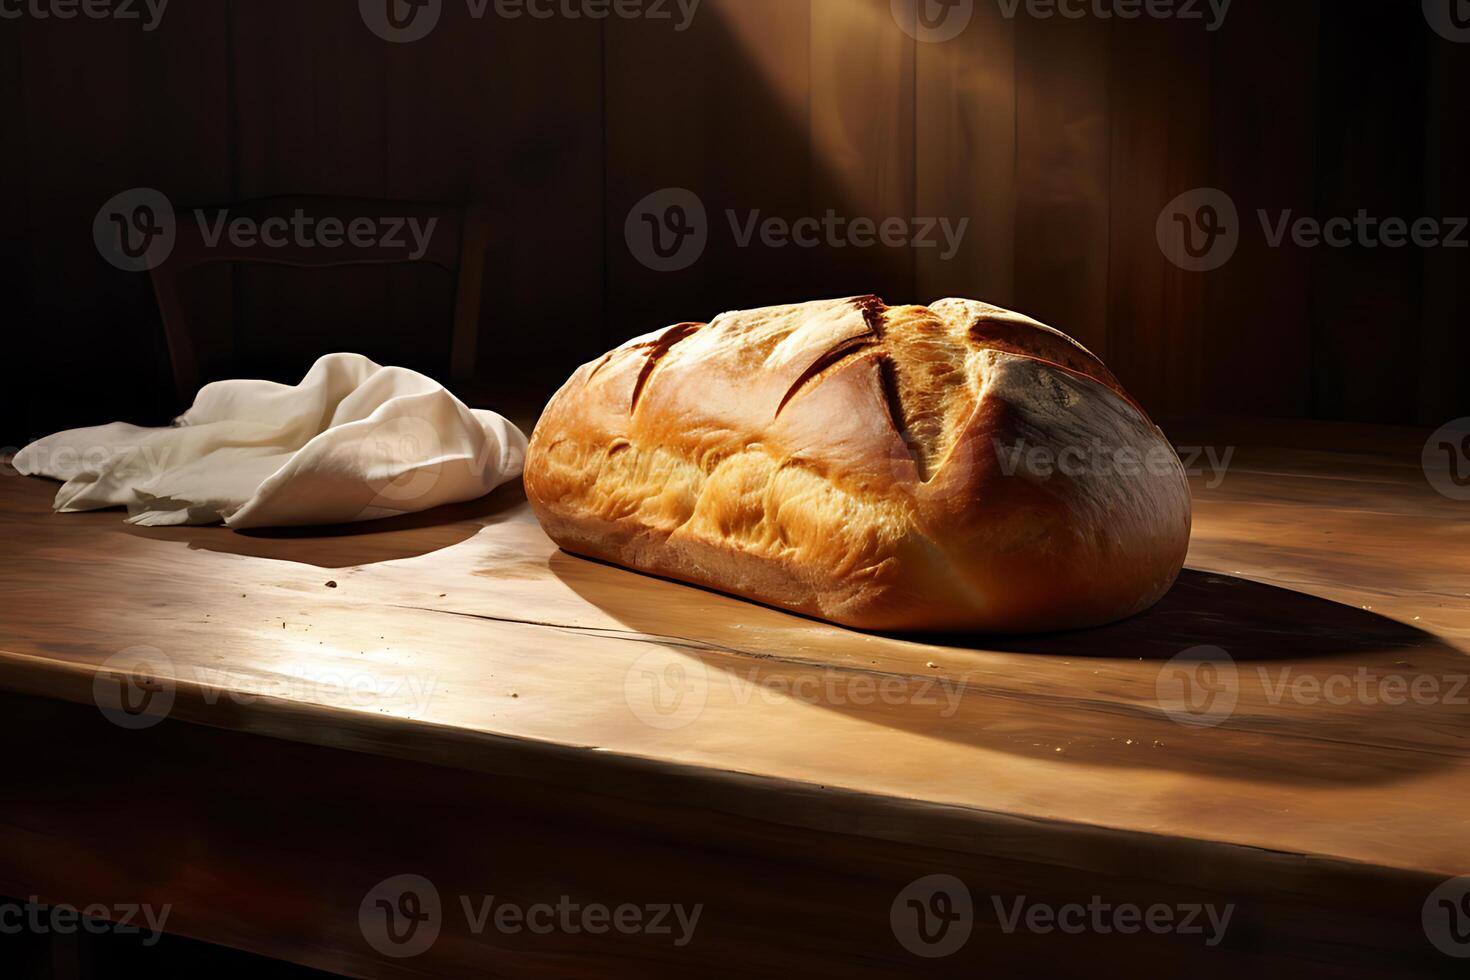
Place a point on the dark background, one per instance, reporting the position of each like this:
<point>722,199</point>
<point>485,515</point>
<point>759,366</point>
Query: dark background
<point>1060,139</point>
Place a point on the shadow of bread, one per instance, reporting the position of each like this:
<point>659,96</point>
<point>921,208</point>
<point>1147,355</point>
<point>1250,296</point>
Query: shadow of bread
<point>1299,690</point>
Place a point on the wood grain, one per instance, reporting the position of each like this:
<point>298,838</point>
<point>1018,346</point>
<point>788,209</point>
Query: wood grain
<point>1265,143</point>
<point>1062,167</point>
<point>965,158</point>
<point>465,640</point>
<point>862,135</point>
<point>1159,147</point>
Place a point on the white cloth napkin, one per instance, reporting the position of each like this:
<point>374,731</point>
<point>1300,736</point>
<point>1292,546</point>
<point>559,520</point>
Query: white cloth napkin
<point>352,442</point>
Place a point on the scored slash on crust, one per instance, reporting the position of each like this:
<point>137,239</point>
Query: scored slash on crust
<point>985,332</point>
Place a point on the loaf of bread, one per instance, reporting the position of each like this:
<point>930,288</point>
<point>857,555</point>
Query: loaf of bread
<point>954,467</point>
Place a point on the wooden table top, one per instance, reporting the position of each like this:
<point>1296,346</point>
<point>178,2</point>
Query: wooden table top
<point>465,638</point>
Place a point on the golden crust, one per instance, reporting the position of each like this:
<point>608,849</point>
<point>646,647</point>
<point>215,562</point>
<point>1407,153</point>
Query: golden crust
<point>951,467</point>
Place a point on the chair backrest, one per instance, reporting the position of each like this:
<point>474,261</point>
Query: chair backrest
<point>458,243</point>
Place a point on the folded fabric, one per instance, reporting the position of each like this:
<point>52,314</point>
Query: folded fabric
<point>352,442</point>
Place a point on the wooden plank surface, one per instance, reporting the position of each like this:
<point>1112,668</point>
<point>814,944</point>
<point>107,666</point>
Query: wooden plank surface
<point>469,628</point>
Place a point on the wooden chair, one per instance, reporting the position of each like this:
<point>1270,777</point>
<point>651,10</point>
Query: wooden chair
<point>458,244</point>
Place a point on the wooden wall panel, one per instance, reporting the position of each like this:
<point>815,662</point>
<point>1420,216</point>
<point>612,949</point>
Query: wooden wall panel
<point>760,157</point>
<point>863,123</point>
<point>719,110</point>
<point>1058,138</point>
<point>1444,353</point>
<point>1160,148</point>
<point>965,157</point>
<point>1062,169</point>
<point>309,115</point>
<point>506,116</point>
<point>1257,345</point>
<point>658,138</point>
<point>109,107</point>
<point>16,420</point>
<point>1368,301</point>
